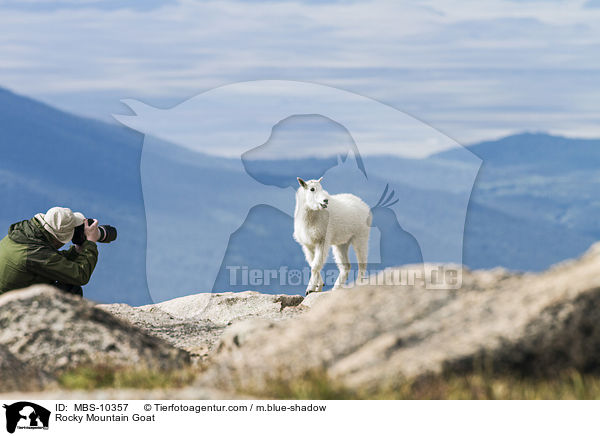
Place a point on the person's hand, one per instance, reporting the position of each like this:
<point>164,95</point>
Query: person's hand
<point>92,233</point>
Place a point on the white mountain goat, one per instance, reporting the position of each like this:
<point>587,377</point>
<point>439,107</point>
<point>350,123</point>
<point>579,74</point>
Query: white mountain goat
<point>322,220</point>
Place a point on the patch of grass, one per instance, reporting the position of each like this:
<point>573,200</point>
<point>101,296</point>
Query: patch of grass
<point>566,385</point>
<point>317,385</point>
<point>105,376</point>
<point>312,385</point>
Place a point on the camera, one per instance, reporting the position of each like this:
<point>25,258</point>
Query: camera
<point>107,233</point>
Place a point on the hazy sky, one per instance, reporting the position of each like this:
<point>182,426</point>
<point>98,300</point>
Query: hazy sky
<point>472,69</point>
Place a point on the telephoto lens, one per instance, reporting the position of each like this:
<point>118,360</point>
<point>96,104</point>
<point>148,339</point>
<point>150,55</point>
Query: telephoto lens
<point>107,233</point>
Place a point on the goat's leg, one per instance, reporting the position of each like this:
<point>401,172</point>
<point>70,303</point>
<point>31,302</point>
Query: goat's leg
<point>316,280</point>
<point>361,248</point>
<point>309,253</point>
<point>340,253</point>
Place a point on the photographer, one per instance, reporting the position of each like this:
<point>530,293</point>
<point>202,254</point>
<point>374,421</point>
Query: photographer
<point>30,254</point>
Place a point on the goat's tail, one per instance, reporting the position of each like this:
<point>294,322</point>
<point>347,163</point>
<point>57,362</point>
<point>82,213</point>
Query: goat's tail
<point>386,200</point>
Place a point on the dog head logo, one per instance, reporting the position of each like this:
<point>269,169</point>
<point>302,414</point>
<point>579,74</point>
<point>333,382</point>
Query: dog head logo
<point>26,415</point>
<point>231,172</point>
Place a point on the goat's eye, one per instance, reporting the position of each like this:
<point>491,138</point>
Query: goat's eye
<point>312,189</point>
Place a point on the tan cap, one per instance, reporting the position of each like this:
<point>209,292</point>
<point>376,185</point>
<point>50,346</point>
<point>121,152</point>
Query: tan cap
<point>61,222</point>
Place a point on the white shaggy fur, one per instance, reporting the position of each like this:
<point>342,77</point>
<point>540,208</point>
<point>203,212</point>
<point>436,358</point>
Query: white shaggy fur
<point>322,220</point>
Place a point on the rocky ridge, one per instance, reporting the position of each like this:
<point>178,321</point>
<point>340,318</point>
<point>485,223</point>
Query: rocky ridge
<point>368,337</point>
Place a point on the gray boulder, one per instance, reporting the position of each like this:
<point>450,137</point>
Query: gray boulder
<point>372,337</point>
<point>223,308</point>
<point>195,323</point>
<point>56,331</point>
<point>18,375</point>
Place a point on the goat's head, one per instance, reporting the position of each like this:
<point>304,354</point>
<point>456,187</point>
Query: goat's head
<point>312,194</point>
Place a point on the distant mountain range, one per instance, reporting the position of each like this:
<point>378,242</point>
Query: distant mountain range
<point>535,201</point>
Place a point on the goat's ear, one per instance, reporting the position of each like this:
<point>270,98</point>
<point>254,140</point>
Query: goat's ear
<point>320,180</point>
<point>302,182</point>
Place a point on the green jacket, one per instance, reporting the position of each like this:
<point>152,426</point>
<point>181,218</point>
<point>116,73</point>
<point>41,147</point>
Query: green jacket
<point>28,256</point>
